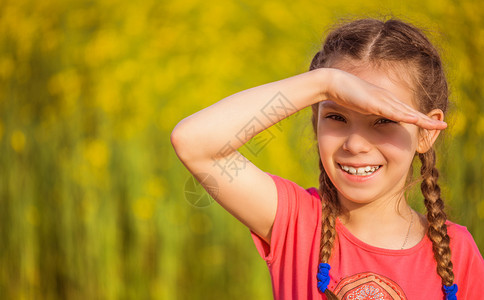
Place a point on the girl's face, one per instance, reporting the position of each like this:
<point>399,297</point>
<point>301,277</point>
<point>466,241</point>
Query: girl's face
<point>367,157</point>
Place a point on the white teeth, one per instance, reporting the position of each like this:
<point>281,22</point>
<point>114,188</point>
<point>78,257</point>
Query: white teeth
<point>363,171</point>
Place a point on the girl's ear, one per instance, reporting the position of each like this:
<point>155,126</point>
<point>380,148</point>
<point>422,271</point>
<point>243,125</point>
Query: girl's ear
<point>427,137</point>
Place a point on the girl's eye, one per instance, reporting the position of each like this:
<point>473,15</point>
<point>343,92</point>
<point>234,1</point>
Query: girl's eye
<point>336,118</point>
<point>384,121</point>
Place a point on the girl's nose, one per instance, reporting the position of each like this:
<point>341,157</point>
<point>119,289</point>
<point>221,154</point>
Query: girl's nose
<point>356,143</point>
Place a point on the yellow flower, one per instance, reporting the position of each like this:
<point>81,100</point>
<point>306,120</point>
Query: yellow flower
<point>18,141</point>
<point>97,153</point>
<point>143,208</point>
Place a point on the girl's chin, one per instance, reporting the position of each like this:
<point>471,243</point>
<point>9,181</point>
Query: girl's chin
<point>356,197</point>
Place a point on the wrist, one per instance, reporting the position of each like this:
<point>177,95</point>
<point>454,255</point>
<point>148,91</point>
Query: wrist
<point>324,76</point>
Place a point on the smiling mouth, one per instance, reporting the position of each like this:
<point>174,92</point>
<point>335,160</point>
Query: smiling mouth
<point>361,171</point>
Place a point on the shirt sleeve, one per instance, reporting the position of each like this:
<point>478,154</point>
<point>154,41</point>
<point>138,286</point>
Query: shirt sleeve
<point>297,208</point>
<point>468,264</point>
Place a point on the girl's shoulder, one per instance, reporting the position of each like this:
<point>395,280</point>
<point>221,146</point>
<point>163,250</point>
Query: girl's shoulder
<point>457,231</point>
<point>461,240</point>
<point>468,264</point>
<point>286,187</point>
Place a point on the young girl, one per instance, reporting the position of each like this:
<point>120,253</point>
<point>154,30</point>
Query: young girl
<point>378,95</point>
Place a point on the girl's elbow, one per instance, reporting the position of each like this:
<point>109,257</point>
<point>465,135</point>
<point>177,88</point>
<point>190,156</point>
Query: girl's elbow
<point>175,136</point>
<point>187,143</point>
<point>180,141</point>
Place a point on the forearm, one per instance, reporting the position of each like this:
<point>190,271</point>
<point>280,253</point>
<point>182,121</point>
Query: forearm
<point>231,122</point>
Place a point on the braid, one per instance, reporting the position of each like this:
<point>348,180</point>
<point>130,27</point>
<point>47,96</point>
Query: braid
<point>327,192</point>
<point>329,204</point>
<point>436,217</point>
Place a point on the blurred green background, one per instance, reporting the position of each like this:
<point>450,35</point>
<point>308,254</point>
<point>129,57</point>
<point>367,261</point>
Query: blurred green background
<point>92,196</point>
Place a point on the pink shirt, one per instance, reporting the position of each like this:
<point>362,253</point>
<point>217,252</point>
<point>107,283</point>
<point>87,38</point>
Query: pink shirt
<point>358,270</point>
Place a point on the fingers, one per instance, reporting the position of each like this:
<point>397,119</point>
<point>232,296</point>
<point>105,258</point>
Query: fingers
<point>365,97</point>
<point>413,116</point>
<point>384,103</point>
<point>427,123</point>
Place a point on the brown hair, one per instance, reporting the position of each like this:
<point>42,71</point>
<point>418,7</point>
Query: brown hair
<point>396,43</point>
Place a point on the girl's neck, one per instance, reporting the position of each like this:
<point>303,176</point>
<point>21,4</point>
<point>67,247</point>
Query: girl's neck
<point>382,210</point>
<point>386,223</point>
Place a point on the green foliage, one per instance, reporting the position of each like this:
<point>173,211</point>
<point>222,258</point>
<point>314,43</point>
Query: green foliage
<point>92,199</point>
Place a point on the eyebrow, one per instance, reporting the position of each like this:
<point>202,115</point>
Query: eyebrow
<point>331,105</point>
<point>328,104</point>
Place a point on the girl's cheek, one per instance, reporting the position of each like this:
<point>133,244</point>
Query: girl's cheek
<point>329,145</point>
<point>399,138</point>
<point>332,129</point>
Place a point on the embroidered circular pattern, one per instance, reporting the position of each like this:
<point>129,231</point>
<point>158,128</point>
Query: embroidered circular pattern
<point>368,286</point>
